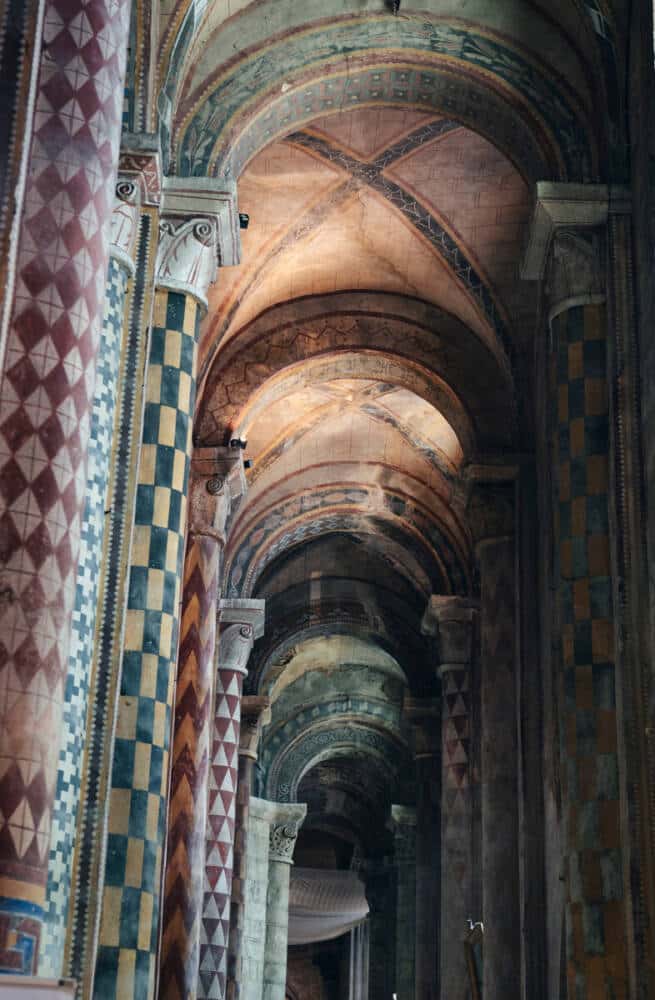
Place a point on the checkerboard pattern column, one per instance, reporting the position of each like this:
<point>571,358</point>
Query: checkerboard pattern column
<point>62,841</point>
<point>46,395</point>
<point>594,879</point>
<point>127,949</point>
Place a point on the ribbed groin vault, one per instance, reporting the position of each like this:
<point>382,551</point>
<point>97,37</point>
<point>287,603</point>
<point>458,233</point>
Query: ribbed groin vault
<point>326,470</point>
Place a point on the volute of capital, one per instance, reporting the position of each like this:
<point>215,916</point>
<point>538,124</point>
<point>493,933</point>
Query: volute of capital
<point>285,820</point>
<point>217,479</point>
<point>575,271</point>
<point>199,232</point>
<point>240,622</point>
<point>451,620</point>
<point>125,221</point>
<point>140,162</point>
<point>255,715</point>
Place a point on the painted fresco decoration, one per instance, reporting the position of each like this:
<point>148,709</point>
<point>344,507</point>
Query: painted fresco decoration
<point>196,147</point>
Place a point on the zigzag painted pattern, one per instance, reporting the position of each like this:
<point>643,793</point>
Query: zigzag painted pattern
<point>220,836</point>
<point>187,822</point>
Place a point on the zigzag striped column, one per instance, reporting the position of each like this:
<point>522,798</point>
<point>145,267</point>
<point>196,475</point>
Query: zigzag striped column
<point>217,477</point>
<point>192,245</point>
<point>241,622</point>
<point>255,713</point>
<point>451,620</point>
<point>499,770</point>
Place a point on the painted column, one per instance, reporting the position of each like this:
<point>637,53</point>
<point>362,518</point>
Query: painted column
<point>190,251</point>
<point>255,713</point>
<point>240,623</point>
<point>380,895</point>
<point>139,164</point>
<point>217,478</point>
<point>565,232</point>
<point>499,747</point>
<point>74,718</point>
<point>452,621</point>
<point>403,822</point>
<point>46,398</point>
<point>254,931</point>
<point>424,719</point>
<point>285,819</point>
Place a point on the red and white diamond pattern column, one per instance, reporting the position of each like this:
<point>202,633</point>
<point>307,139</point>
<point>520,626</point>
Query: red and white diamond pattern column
<point>451,620</point>
<point>46,395</point>
<point>240,623</point>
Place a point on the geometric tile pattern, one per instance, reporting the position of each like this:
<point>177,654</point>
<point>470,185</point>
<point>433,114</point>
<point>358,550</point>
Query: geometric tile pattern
<point>596,961</point>
<point>121,490</point>
<point>219,861</point>
<point>456,746</point>
<point>127,948</point>
<point>187,809</point>
<point>46,395</point>
<point>62,839</point>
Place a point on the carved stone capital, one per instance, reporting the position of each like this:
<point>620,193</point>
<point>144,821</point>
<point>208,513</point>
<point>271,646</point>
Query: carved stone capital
<point>424,717</point>
<point>125,221</point>
<point>199,232</point>
<point>284,820</point>
<point>217,479</point>
<point>451,620</point>
<point>255,714</point>
<point>140,161</point>
<point>563,245</point>
<point>240,622</point>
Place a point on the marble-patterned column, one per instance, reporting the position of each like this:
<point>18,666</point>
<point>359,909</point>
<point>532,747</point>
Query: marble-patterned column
<point>403,822</point>
<point>254,921</point>
<point>190,251</point>
<point>217,479</point>
<point>46,397</point>
<point>285,820</point>
<point>424,718</point>
<point>499,745</point>
<point>255,714</point>
<point>565,245</point>
<point>240,623</point>
<point>452,621</point>
<point>74,718</point>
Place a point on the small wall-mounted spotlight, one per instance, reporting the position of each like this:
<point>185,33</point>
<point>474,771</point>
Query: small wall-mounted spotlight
<point>238,443</point>
<point>244,220</point>
<point>395,5</point>
<point>247,463</point>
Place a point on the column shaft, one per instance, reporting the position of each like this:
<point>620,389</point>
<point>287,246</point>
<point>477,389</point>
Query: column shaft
<point>241,621</point>
<point>451,619</point>
<point>46,395</point>
<point>255,711</point>
<point>285,820</point>
<point>137,800</point>
<point>112,571</point>
<point>403,821</point>
<point>499,770</point>
<point>594,877</point>
<point>210,501</point>
<point>74,718</point>
<point>254,933</point>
